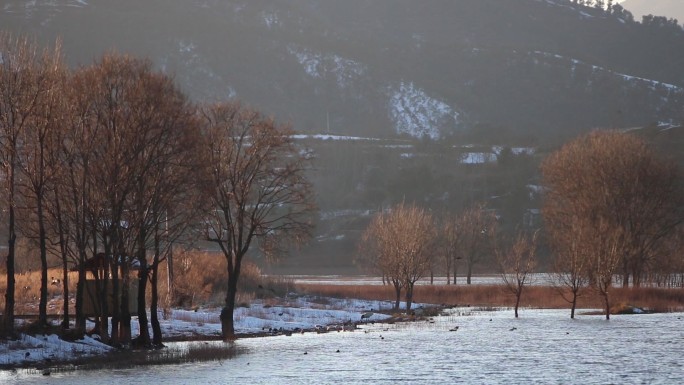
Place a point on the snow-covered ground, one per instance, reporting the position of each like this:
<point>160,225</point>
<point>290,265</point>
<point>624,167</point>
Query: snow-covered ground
<point>419,115</point>
<point>287,315</point>
<point>45,349</point>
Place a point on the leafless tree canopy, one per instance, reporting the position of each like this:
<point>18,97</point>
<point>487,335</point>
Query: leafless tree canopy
<point>518,261</point>
<point>399,245</point>
<point>30,83</point>
<point>613,200</point>
<point>475,236</point>
<point>571,262</point>
<point>257,189</point>
<point>98,159</point>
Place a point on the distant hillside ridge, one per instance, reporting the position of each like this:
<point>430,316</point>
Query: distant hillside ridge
<point>435,69</point>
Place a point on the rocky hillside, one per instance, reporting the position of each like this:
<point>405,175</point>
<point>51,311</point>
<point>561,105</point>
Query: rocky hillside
<point>437,68</point>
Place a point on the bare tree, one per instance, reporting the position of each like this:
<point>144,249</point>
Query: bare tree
<point>416,245</point>
<point>571,262</point>
<point>114,89</point>
<point>476,234</point>
<point>380,251</point>
<point>399,244</point>
<point>143,177</point>
<point>121,121</point>
<point>21,90</point>
<point>36,156</point>
<point>616,195</point>
<point>449,245</point>
<point>608,244</point>
<point>518,262</point>
<point>669,269</point>
<point>73,207</point>
<point>166,197</point>
<point>258,190</point>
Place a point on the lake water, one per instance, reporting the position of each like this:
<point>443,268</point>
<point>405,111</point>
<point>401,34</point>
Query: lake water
<point>489,347</point>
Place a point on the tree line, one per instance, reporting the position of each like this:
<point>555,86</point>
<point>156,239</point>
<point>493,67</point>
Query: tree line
<point>109,165</point>
<point>612,207</point>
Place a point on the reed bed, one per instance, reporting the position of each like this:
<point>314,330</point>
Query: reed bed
<point>655,299</point>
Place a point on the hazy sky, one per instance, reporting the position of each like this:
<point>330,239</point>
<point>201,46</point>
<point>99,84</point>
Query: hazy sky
<point>669,8</point>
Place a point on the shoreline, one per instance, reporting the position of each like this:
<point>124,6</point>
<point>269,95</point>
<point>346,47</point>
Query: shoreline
<point>303,314</point>
<point>315,309</point>
<point>117,358</point>
<point>121,357</point>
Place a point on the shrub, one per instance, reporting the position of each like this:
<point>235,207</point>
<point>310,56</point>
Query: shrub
<point>200,278</point>
<point>197,277</point>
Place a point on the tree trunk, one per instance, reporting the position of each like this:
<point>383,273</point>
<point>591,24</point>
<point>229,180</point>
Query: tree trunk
<point>518,294</point>
<point>64,254</point>
<point>409,297</point>
<point>80,287</point>
<point>636,276</point>
<point>125,321</point>
<point>154,297</point>
<point>169,275</point>
<point>82,231</point>
<point>42,307</point>
<point>102,323</point>
<point>8,314</point>
<point>116,308</point>
<point>65,292</point>
<point>227,322</point>
<point>154,303</point>
<point>574,304</point>
<point>607,304</point>
<point>455,270</point>
<point>397,291</point>
<point>470,273</point>
<point>144,337</point>
<point>103,288</point>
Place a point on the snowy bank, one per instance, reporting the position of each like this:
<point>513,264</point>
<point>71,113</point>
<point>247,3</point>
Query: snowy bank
<point>261,317</point>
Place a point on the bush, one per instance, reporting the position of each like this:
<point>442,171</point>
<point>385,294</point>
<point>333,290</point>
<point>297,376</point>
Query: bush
<point>197,277</point>
<point>200,278</point>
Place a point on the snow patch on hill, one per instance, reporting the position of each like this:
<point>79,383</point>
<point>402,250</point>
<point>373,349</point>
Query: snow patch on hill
<point>652,84</point>
<point>417,114</point>
<point>29,7</point>
<point>271,20</point>
<point>194,70</point>
<point>478,158</point>
<point>320,66</point>
<point>331,137</point>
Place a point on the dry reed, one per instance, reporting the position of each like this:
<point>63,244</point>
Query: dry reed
<point>199,280</point>
<point>656,299</point>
